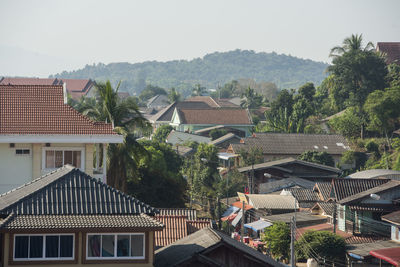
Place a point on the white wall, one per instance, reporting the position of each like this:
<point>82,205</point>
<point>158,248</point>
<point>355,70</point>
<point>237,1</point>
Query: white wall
<point>15,170</point>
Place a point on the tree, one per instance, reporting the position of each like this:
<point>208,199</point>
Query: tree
<point>251,99</point>
<point>351,44</point>
<point>318,157</point>
<point>173,95</point>
<point>151,91</point>
<point>125,117</point>
<point>348,124</point>
<point>162,133</point>
<point>278,118</point>
<point>217,133</point>
<point>324,244</point>
<point>251,156</point>
<point>277,238</point>
<point>159,181</point>
<point>198,90</point>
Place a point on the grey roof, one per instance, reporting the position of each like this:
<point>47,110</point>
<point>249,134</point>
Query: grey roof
<point>196,243</point>
<point>376,173</point>
<point>343,188</point>
<point>393,217</point>
<point>183,150</point>
<point>286,161</point>
<point>176,137</point>
<point>158,101</point>
<point>69,191</point>
<point>25,222</point>
<point>272,201</point>
<point>224,138</point>
<point>324,190</point>
<point>191,214</point>
<point>210,129</point>
<point>304,194</point>
<point>377,189</point>
<point>294,144</point>
<point>301,218</point>
<point>327,207</point>
<point>363,249</point>
<point>166,113</point>
<point>274,186</point>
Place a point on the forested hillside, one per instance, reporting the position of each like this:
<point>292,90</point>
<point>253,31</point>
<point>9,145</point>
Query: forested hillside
<point>210,71</point>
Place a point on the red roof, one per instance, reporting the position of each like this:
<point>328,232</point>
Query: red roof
<point>392,51</point>
<point>391,255</point>
<point>239,205</point>
<point>40,109</point>
<point>75,87</point>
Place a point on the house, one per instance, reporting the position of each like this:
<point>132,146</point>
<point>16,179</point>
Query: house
<point>224,141</point>
<point>287,168</point>
<point>178,223</point>
<point>305,197</point>
<point>209,247</point>
<point>391,50</point>
<point>68,218</point>
<point>206,131</point>
<point>76,88</point>
<point>303,218</point>
<point>276,146</point>
<point>271,203</point>
<point>394,219</point>
<point>39,132</point>
<point>180,138</point>
<point>191,120</point>
<point>376,173</point>
<point>158,102</point>
<point>278,185</point>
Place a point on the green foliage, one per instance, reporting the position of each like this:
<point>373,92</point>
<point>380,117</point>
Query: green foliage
<point>393,76</point>
<point>217,133</point>
<point>348,124</point>
<point>323,243</point>
<point>350,157</point>
<point>173,95</point>
<point>318,157</point>
<point>252,156</point>
<point>371,146</point>
<point>211,70</point>
<point>159,182</point>
<point>150,91</point>
<point>162,132</point>
<point>232,183</point>
<point>396,165</point>
<point>251,99</point>
<point>198,90</point>
<point>277,237</point>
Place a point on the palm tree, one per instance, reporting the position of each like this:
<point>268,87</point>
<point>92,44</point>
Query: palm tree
<point>126,119</point>
<point>351,44</point>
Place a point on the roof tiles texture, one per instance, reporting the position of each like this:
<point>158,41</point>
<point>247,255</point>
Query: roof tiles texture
<point>294,144</point>
<point>392,51</point>
<point>39,109</point>
<point>344,188</point>
<point>268,201</point>
<point>215,116</point>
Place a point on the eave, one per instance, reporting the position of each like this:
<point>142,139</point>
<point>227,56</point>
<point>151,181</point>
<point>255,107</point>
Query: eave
<point>58,138</point>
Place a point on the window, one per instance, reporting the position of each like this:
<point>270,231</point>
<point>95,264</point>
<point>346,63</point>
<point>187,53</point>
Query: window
<point>22,151</point>
<point>115,246</point>
<point>56,158</point>
<point>44,247</point>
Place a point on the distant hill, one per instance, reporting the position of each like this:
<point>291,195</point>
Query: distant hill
<point>210,71</point>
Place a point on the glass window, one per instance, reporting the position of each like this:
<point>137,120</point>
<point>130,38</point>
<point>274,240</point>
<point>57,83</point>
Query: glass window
<point>49,159</point>
<point>58,158</point>
<point>52,244</point>
<point>21,247</point>
<point>76,159</point>
<point>94,245</point>
<point>137,245</point>
<point>66,246</point>
<point>107,246</point>
<point>68,157</point>
<point>123,246</point>
<point>36,247</point>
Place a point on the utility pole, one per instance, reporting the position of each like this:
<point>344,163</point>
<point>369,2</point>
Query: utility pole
<point>219,213</point>
<point>191,181</point>
<point>334,218</point>
<point>293,233</point>
<point>243,214</point>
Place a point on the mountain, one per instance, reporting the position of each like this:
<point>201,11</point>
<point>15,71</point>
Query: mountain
<point>210,71</point>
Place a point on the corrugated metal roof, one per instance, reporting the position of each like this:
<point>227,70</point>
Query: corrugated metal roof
<point>69,191</point>
<point>263,201</point>
<point>376,173</point>
<point>274,186</point>
<point>343,188</point>
<point>176,137</point>
<point>190,214</point>
<point>303,194</point>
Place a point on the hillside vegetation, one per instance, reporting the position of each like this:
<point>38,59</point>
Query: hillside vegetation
<point>211,71</point>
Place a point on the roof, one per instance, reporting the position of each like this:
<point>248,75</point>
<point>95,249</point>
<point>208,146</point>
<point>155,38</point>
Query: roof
<point>75,87</point>
<point>363,249</point>
<point>265,201</point>
<point>40,110</point>
<point>224,116</point>
<point>37,222</point>
<point>190,214</point>
<point>303,194</point>
<point>390,255</point>
<point>165,115</point>
<point>343,188</point>
<point>224,138</point>
<point>376,173</point>
<point>158,101</point>
<point>69,191</point>
<point>301,218</point>
<point>225,102</point>
<point>176,137</point>
<point>392,51</point>
<point>274,186</point>
<point>258,225</point>
<point>323,189</point>
<point>201,241</point>
<point>377,189</point>
<point>393,217</point>
<point>327,207</point>
<point>204,99</point>
<point>294,144</point>
<point>286,161</point>
<point>183,151</point>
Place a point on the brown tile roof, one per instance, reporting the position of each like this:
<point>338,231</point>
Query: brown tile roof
<point>343,188</point>
<point>392,51</point>
<point>205,99</point>
<point>294,144</point>
<point>194,226</point>
<point>40,109</point>
<point>190,214</point>
<point>218,116</point>
<point>25,222</point>
<point>393,217</point>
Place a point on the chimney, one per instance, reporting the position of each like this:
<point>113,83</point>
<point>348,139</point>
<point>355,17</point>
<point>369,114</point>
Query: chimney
<point>65,93</point>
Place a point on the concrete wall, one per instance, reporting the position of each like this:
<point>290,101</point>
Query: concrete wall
<point>79,256</point>
<point>15,170</point>
<point>393,233</point>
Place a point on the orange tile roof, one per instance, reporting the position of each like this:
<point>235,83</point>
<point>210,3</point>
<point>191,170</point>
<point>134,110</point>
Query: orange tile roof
<point>220,116</point>
<point>40,109</point>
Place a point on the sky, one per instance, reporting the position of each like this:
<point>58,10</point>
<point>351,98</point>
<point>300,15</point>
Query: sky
<point>41,37</point>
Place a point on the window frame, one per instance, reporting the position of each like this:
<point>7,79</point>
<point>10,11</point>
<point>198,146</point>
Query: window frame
<point>44,258</point>
<point>63,149</point>
<point>115,257</point>
<point>23,155</point>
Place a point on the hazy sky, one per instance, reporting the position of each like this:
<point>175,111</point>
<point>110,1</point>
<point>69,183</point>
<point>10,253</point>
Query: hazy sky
<point>39,38</point>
